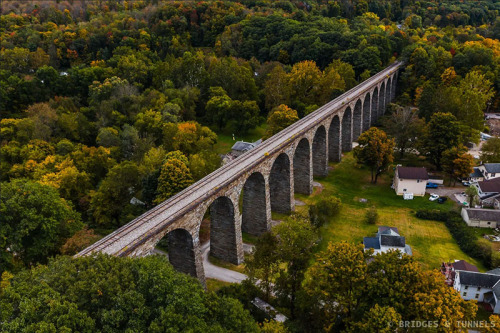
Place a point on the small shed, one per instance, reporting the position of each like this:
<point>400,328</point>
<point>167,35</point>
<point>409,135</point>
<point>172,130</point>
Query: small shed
<point>410,180</point>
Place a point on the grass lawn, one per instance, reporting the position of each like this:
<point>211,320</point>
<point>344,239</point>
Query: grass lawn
<point>213,285</point>
<point>431,241</point>
<point>225,140</point>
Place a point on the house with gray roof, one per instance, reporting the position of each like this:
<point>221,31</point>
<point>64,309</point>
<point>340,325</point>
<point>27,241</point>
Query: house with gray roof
<point>490,170</point>
<point>482,287</point>
<point>476,176</point>
<point>481,217</point>
<point>241,147</point>
<point>387,238</point>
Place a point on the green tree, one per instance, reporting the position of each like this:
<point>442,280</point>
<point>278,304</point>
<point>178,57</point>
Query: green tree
<point>263,265</point>
<point>490,151</point>
<point>336,280</point>
<point>34,223</point>
<point>322,211</point>
<point>108,203</point>
<point>469,99</point>
<point>219,107</point>
<point>405,127</point>
<point>277,88</point>
<point>375,150</point>
<point>472,195</point>
<point>442,133</point>
<point>203,163</point>
<point>352,288</point>
<point>280,118</point>
<point>104,293</point>
<point>296,239</point>
<point>174,177</point>
<point>383,319</point>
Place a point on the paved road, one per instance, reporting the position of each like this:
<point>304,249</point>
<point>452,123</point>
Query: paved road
<point>219,273</point>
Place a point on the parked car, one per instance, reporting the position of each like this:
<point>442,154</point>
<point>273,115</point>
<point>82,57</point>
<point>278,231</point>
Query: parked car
<point>466,183</point>
<point>442,200</point>
<point>431,185</point>
<point>434,197</point>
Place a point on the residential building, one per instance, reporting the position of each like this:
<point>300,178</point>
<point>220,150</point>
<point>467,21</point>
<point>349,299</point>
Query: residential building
<point>387,238</point>
<point>488,191</point>
<point>241,147</point>
<point>448,269</point>
<point>489,170</point>
<point>481,217</point>
<point>482,287</point>
<point>410,180</point>
<point>476,176</point>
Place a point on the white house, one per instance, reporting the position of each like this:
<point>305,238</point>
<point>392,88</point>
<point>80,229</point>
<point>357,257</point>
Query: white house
<point>482,287</point>
<point>480,217</point>
<point>410,180</point>
<point>485,171</point>
<point>387,238</point>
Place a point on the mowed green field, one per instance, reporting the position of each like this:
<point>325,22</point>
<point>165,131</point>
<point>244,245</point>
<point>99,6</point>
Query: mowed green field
<point>431,241</point>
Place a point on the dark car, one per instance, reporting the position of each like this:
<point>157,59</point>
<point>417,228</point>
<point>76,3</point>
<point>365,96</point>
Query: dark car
<point>431,185</point>
<point>442,200</point>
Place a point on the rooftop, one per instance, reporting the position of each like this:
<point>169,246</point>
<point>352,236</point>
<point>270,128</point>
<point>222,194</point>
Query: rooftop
<point>412,173</point>
<point>383,230</point>
<point>492,167</point>
<point>492,185</point>
<point>481,214</point>
<point>484,280</point>
<point>391,240</point>
<point>371,243</point>
<point>476,174</point>
<point>462,265</point>
<point>244,146</point>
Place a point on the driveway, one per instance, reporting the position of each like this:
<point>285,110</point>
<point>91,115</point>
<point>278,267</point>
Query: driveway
<point>450,192</point>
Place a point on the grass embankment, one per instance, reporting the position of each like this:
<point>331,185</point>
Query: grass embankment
<point>213,285</point>
<point>431,241</point>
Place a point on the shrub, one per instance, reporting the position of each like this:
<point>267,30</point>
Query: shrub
<point>324,209</point>
<point>432,214</point>
<point>467,240</point>
<point>371,216</point>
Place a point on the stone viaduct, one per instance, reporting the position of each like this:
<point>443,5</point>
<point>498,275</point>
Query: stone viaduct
<point>241,195</point>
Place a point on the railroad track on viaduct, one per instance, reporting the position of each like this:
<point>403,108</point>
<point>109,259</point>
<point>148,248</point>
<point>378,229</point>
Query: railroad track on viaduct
<point>266,178</point>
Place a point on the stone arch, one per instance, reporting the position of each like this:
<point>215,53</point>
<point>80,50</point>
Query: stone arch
<point>347,130</point>
<point>334,140</point>
<point>181,252</point>
<point>302,176</point>
<point>279,185</point>
<point>255,219</point>
<point>374,106</point>
<point>319,153</point>
<point>357,121</point>
<point>223,241</point>
<point>366,112</point>
<point>381,97</point>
